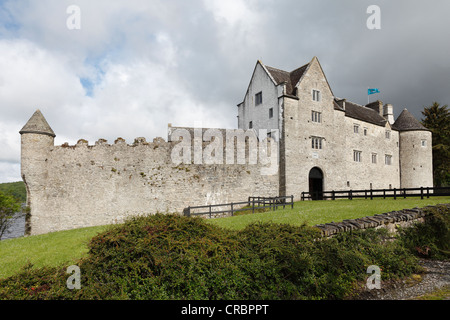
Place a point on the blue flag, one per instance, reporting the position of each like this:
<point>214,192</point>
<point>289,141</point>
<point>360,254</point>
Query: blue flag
<point>372,91</point>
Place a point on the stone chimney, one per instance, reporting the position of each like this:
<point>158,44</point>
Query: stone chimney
<point>388,113</point>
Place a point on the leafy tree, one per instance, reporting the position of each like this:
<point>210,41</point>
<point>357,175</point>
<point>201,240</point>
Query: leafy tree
<point>8,208</point>
<point>15,189</point>
<point>437,119</point>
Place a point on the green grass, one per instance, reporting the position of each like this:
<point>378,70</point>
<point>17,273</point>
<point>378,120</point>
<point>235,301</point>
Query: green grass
<point>50,249</point>
<point>440,294</point>
<point>61,247</point>
<point>318,212</point>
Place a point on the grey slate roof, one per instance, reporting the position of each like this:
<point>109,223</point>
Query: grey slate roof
<point>363,113</point>
<point>37,124</point>
<point>291,78</point>
<point>407,122</point>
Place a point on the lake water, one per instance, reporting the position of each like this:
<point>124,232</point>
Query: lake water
<point>17,229</point>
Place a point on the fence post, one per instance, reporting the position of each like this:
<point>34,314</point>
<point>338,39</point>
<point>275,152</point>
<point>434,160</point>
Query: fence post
<point>384,193</point>
<point>350,194</point>
<point>210,211</point>
<point>421,192</point>
<point>428,192</point>
<point>395,194</point>
<point>404,193</point>
<point>292,201</point>
<point>232,209</point>
<point>333,196</point>
<point>365,194</point>
<point>253,205</point>
<point>371,195</point>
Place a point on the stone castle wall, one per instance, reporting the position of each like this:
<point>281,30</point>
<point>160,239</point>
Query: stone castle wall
<point>88,185</point>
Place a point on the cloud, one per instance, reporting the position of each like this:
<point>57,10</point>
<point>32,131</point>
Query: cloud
<point>137,65</point>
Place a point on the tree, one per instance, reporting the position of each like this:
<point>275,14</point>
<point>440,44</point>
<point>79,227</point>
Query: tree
<point>8,208</point>
<point>437,119</point>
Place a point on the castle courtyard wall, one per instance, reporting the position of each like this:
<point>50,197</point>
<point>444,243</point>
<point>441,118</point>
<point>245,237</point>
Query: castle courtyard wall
<point>89,185</point>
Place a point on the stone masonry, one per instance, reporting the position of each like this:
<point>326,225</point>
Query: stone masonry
<point>294,135</point>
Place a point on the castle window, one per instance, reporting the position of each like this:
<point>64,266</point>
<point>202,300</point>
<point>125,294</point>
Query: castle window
<point>424,143</point>
<point>316,142</point>
<point>270,113</point>
<point>258,98</point>
<point>356,128</point>
<point>316,95</point>
<point>250,125</point>
<point>388,159</point>
<point>357,156</point>
<point>365,131</point>
<point>388,134</point>
<point>316,116</point>
<point>374,158</point>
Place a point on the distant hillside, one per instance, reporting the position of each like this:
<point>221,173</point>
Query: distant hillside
<point>15,189</point>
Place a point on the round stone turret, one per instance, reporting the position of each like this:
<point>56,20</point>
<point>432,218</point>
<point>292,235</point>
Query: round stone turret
<point>37,139</point>
<point>416,158</point>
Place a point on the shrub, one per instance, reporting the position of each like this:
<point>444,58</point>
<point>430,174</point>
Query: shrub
<point>430,239</point>
<point>175,257</point>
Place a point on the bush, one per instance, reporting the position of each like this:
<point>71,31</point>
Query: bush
<point>174,257</point>
<point>432,238</point>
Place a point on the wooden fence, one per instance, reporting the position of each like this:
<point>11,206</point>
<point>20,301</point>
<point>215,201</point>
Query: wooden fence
<point>395,193</point>
<point>252,204</point>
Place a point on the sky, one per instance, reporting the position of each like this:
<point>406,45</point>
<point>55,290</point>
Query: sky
<point>109,69</point>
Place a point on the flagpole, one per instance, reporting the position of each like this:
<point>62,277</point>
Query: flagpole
<point>368,95</point>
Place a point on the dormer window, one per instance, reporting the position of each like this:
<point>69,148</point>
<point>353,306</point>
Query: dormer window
<point>258,98</point>
<point>316,95</point>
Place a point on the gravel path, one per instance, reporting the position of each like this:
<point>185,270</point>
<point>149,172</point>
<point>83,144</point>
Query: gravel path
<point>436,276</point>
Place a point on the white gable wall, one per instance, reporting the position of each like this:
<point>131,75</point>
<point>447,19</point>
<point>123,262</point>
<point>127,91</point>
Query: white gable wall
<point>259,114</point>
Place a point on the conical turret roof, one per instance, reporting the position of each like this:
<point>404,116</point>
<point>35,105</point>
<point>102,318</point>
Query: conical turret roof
<point>407,122</point>
<point>37,124</point>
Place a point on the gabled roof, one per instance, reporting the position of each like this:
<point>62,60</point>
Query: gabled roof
<point>37,124</point>
<point>291,78</point>
<point>407,122</point>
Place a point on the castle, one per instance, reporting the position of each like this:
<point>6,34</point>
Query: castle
<point>294,135</point>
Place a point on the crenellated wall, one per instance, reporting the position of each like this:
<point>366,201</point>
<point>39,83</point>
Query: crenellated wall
<point>73,186</point>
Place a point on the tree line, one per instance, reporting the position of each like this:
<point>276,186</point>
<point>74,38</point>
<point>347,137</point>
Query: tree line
<point>437,120</point>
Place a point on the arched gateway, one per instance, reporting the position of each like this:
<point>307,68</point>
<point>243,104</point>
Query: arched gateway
<point>316,184</point>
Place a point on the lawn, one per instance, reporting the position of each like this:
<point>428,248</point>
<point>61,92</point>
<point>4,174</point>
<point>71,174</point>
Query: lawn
<point>318,212</point>
<point>49,249</point>
<point>65,247</point>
